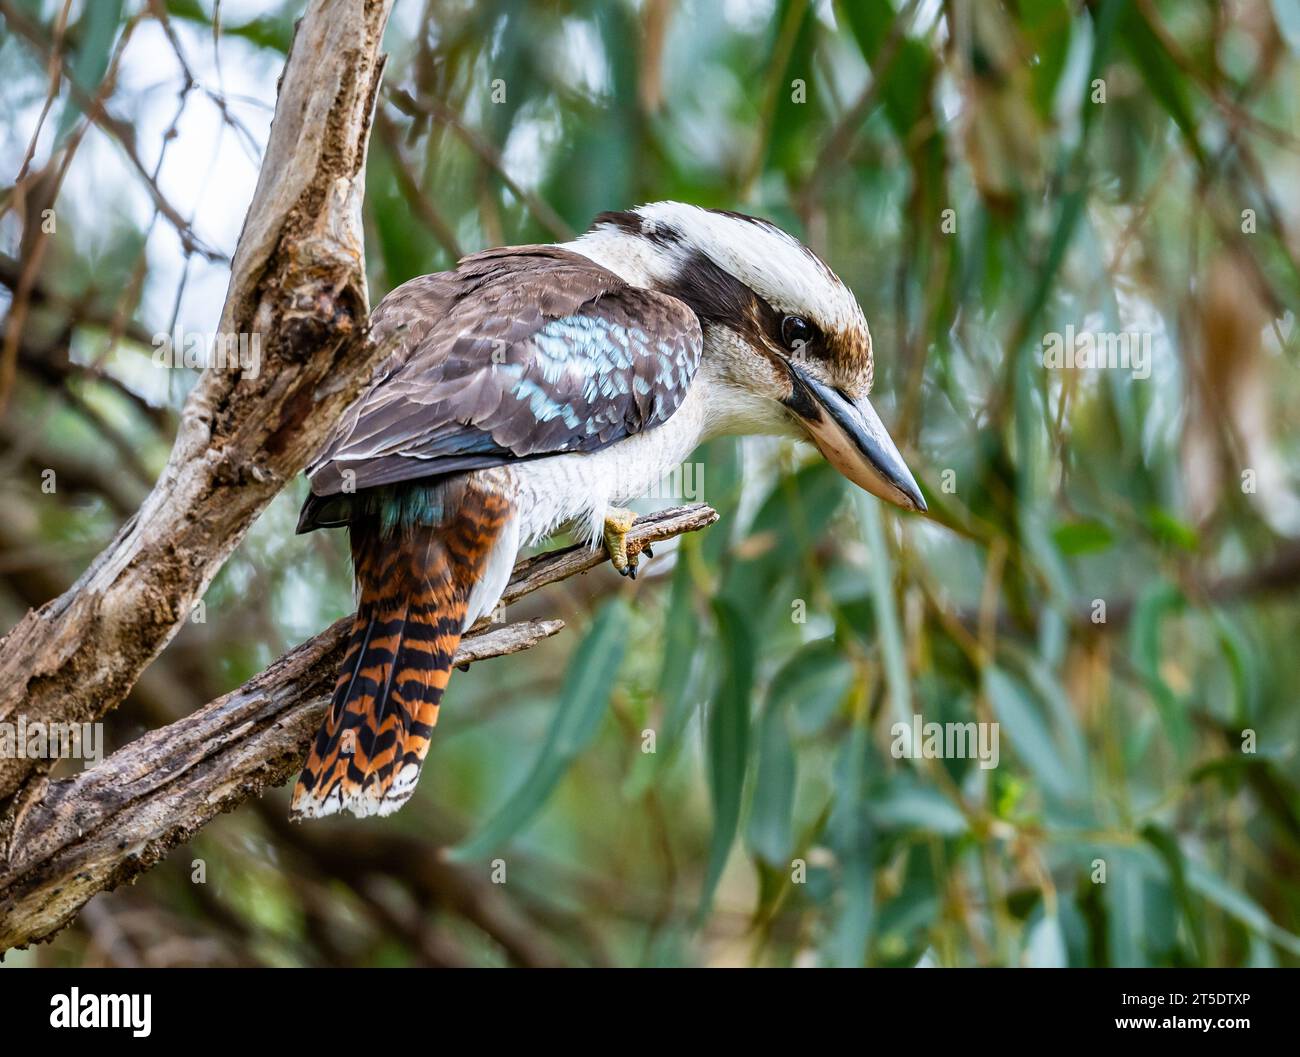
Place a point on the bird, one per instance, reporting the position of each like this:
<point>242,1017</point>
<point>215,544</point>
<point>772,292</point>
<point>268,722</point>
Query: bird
<point>537,388</point>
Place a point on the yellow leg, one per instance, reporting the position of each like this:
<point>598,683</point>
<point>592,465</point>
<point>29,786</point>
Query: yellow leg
<point>618,523</point>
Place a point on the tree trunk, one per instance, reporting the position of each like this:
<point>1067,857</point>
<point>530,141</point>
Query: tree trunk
<point>297,290</point>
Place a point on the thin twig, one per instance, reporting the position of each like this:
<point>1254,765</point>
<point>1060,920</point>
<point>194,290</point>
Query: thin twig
<point>487,154</point>
<point>67,840</point>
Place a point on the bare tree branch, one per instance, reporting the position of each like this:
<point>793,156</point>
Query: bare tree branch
<point>298,287</point>
<point>69,839</point>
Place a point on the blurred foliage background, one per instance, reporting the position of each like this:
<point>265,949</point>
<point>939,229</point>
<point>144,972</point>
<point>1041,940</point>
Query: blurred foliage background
<point>982,175</point>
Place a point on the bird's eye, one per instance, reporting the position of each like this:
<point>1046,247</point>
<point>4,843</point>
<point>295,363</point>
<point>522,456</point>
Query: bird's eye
<point>796,332</point>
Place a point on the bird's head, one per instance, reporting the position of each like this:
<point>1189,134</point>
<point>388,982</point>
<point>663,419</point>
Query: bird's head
<point>785,339</point>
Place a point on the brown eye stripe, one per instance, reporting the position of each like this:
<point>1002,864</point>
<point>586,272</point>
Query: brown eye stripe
<point>719,298</point>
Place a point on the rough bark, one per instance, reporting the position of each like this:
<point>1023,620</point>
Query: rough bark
<point>298,286</point>
<point>78,836</point>
<point>298,283</point>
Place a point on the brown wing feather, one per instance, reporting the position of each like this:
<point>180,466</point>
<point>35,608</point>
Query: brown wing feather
<point>519,352</point>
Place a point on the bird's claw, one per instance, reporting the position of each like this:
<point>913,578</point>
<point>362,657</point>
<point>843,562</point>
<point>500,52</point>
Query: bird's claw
<point>618,523</point>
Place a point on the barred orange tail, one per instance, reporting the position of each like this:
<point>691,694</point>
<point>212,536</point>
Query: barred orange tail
<point>414,582</point>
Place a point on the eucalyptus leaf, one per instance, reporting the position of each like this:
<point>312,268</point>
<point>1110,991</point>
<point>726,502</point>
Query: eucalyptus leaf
<point>728,740</point>
<point>583,700</point>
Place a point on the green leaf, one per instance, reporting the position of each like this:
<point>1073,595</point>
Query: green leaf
<point>1047,26</point>
<point>405,248</point>
<point>681,640</point>
<point>97,31</point>
<point>1127,908</point>
<point>771,822</point>
<point>851,833</point>
<point>274,32</point>
<point>1167,847</point>
<point>794,122</point>
<point>725,482</point>
<point>1169,530</point>
<point>1155,604</point>
<point>1161,73</point>
<point>1068,736</point>
<point>1023,726</point>
<point>679,689</point>
<point>787,527</point>
<point>904,90</point>
<point>906,804</point>
<point>882,590</point>
<point>728,740</point>
<point>1236,650</point>
<point>583,700</point>
<point>1286,16</point>
<point>1240,906</point>
<point>1045,945</point>
<point>813,682</point>
<point>1082,537</point>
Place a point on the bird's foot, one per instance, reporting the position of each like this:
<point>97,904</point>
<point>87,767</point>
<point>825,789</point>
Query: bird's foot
<point>618,523</point>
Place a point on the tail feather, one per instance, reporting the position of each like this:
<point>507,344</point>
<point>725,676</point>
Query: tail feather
<point>414,583</point>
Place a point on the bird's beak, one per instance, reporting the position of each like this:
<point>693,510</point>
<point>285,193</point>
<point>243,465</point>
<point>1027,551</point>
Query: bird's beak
<point>853,439</point>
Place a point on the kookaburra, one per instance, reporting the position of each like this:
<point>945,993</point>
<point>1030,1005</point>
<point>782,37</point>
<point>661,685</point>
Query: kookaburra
<point>539,387</point>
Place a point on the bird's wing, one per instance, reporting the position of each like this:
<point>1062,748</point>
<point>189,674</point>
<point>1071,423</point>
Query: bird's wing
<point>518,353</point>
